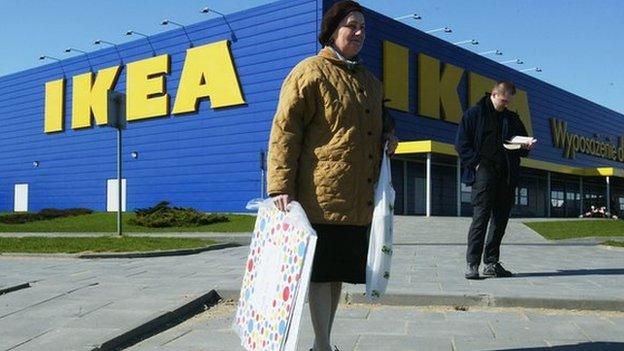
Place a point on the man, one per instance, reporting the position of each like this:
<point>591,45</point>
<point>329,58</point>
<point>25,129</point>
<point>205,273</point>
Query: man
<point>493,173</point>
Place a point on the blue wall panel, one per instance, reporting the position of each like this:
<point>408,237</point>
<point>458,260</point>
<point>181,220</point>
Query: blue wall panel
<point>545,100</point>
<point>210,159</point>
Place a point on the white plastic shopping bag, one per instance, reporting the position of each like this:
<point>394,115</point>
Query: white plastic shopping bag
<point>275,283</point>
<point>381,234</point>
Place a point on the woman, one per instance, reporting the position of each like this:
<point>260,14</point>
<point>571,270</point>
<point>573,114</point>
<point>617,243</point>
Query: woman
<point>324,151</point>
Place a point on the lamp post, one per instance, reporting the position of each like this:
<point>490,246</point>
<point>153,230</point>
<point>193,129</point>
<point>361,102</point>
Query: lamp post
<point>414,16</point>
<point>70,49</point>
<point>443,29</point>
<point>495,52</point>
<point>208,10</point>
<point>168,21</point>
<point>469,41</point>
<point>100,42</point>
<point>60,62</point>
<point>535,69</point>
<point>132,32</point>
<point>516,61</point>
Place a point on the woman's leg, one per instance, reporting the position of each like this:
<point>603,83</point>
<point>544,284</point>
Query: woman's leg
<point>336,289</point>
<point>320,299</point>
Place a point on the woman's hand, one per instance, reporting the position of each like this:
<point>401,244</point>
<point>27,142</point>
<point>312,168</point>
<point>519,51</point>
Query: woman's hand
<point>393,142</point>
<point>281,201</point>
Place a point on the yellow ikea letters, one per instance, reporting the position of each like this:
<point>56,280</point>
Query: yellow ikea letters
<point>437,93</point>
<point>395,73</point>
<point>438,85</point>
<point>90,97</point>
<point>208,72</point>
<point>146,95</point>
<point>54,115</point>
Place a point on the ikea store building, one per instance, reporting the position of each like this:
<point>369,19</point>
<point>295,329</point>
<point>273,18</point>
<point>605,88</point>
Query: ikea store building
<point>199,106</point>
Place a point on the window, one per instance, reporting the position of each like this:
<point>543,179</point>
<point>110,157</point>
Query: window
<point>557,198</point>
<point>466,193</point>
<point>573,196</point>
<point>621,201</point>
<point>522,196</point>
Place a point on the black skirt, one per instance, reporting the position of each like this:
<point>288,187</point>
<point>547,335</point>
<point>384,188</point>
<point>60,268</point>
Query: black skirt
<point>341,253</point>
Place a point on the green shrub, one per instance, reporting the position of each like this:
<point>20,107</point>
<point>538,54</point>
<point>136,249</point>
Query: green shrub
<point>162,215</point>
<point>44,214</point>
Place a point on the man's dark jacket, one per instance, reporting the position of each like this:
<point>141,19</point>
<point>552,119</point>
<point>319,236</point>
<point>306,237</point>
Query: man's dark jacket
<point>470,138</point>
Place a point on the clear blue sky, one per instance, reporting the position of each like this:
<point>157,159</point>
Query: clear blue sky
<point>577,43</point>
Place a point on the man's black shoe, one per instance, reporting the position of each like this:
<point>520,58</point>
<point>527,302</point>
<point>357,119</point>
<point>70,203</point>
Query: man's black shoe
<point>472,271</point>
<point>495,270</point>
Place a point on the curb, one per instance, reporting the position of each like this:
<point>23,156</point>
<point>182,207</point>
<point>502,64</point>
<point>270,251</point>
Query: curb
<point>159,322</point>
<point>181,252</point>
<point>163,321</point>
<point>485,300</point>
<point>14,288</point>
<point>480,300</point>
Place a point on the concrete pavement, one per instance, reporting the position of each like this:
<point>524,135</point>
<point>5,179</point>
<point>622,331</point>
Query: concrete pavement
<point>77,304</point>
<point>378,328</point>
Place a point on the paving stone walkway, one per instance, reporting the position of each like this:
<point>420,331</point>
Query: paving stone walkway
<point>78,304</point>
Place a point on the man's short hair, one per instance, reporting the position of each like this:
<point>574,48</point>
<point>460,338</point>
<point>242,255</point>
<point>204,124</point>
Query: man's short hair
<point>505,86</point>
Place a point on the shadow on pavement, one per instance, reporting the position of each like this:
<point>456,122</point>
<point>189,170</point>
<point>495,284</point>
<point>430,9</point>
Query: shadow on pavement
<point>600,271</point>
<point>588,346</point>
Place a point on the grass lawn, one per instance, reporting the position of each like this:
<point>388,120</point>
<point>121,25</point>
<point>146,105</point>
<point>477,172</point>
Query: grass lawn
<point>98,244</point>
<point>614,243</point>
<point>107,222</point>
<point>578,229</point>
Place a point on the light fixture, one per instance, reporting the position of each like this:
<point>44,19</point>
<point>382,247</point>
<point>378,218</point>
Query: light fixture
<point>35,164</point>
<point>208,10</point>
<point>134,154</point>
<point>100,42</point>
<point>70,49</point>
<point>43,57</point>
<point>535,69</point>
<point>133,32</point>
<point>60,62</point>
<point>469,41</point>
<point>168,21</point>
<point>516,61</point>
<point>443,29</point>
<point>495,52</point>
<point>414,16</point>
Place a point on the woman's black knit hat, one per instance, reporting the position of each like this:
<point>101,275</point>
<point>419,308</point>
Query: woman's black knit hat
<point>333,16</point>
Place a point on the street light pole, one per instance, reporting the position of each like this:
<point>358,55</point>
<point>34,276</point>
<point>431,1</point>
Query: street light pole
<point>70,49</point>
<point>168,21</point>
<point>116,118</point>
<point>516,61</point>
<point>411,15</point>
<point>469,41</point>
<point>134,32</point>
<point>443,29</point>
<point>495,52</point>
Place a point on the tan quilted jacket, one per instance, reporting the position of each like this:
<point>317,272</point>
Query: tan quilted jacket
<point>325,145</point>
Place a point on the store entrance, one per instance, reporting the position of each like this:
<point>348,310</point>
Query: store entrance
<point>565,199</point>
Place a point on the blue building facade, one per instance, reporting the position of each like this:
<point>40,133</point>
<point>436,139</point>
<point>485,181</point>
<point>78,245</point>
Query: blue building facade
<point>212,157</point>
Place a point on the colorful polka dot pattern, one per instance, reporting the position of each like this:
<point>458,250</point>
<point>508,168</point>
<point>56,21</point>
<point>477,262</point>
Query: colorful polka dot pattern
<point>268,332</point>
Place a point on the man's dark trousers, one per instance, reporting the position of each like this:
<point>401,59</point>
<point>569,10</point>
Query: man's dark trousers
<point>492,197</point>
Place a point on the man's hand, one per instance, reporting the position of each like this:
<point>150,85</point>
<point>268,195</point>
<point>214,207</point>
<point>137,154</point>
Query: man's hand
<point>393,142</point>
<point>529,146</point>
<point>281,201</point>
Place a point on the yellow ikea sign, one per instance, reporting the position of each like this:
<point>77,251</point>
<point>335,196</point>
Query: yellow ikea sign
<point>208,71</point>
<point>437,87</point>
